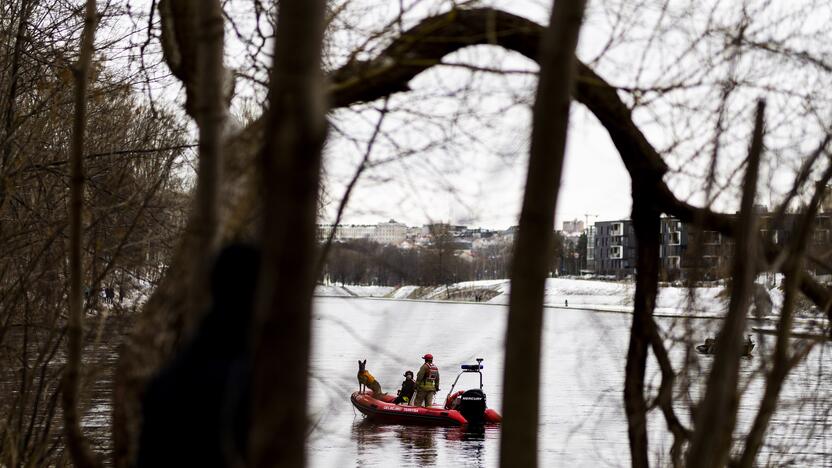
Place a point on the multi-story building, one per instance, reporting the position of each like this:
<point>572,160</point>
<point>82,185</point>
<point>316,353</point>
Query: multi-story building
<point>674,242</point>
<point>611,245</point>
<point>346,232</point>
<point>590,249</point>
<point>391,232</point>
<point>614,248</point>
<point>708,252</point>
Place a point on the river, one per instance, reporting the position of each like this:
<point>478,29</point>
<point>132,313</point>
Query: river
<point>582,421</point>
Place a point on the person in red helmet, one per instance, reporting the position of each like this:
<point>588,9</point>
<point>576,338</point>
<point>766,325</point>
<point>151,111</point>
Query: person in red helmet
<point>427,382</point>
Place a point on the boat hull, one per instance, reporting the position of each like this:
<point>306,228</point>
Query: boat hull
<point>383,410</point>
<point>710,350</point>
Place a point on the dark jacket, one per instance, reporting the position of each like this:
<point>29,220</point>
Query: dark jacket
<point>408,388</point>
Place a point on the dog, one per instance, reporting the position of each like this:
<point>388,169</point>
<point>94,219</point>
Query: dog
<point>366,379</point>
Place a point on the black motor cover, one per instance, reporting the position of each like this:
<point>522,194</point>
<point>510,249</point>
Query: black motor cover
<point>472,405</point>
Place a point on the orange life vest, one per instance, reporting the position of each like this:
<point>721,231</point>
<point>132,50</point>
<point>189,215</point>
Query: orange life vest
<point>428,382</point>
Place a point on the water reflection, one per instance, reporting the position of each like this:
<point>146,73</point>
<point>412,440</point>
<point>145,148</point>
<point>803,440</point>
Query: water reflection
<point>472,441</point>
<point>419,442</point>
<point>420,445</point>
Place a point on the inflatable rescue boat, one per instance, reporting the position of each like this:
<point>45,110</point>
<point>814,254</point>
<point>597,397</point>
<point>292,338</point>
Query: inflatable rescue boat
<point>461,408</point>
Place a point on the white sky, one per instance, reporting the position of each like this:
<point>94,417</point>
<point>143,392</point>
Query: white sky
<point>483,185</point>
<point>478,180</point>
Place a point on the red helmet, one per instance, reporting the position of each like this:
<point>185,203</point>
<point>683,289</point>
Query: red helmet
<point>428,357</point>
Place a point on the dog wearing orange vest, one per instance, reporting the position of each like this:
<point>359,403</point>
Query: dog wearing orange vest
<point>366,379</point>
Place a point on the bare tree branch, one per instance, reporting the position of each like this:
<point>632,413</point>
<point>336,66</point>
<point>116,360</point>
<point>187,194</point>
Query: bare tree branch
<point>646,219</point>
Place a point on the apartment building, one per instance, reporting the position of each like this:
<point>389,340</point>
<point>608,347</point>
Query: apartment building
<point>673,248</point>
<point>614,252</point>
<point>611,246</point>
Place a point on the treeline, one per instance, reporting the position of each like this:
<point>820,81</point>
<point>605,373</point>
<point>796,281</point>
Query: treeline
<point>133,207</point>
<point>369,263</point>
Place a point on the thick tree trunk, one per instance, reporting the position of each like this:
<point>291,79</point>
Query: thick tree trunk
<point>79,449</point>
<point>716,414</point>
<point>290,165</point>
<point>518,444</point>
<point>646,224</point>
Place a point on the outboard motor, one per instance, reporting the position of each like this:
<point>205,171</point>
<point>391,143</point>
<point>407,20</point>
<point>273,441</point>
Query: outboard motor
<point>472,405</point>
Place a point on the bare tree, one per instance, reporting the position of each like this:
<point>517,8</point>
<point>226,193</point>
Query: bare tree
<point>82,456</point>
<point>518,445</point>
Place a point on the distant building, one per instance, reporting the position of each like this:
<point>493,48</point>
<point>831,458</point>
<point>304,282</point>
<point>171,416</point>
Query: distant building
<point>510,234</point>
<point>673,247</point>
<point>590,249</point>
<point>391,232</point>
<point>575,226</point>
<point>614,248</point>
<point>346,232</point>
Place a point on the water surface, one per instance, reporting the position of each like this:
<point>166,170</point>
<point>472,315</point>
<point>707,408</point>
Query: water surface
<point>582,421</point>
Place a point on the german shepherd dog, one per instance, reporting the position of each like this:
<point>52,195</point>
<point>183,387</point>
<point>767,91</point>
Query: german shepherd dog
<point>366,379</point>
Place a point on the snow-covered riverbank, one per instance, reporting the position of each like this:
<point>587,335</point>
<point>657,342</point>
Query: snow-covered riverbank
<point>613,296</point>
<point>605,296</point>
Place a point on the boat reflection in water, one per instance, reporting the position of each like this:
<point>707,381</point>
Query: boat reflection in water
<point>420,445</point>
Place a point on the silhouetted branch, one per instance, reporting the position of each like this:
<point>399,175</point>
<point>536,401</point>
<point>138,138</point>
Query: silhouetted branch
<point>646,223</point>
<point>550,119</point>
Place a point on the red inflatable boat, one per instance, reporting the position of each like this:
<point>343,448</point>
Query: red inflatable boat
<point>383,410</point>
<point>461,408</point>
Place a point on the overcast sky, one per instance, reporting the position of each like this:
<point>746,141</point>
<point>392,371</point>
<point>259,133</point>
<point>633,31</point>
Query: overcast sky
<point>479,183</point>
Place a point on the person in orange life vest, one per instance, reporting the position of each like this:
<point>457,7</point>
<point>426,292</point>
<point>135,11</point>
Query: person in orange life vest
<point>427,382</point>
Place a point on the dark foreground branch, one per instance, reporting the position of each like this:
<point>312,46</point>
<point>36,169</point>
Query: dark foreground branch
<point>518,443</point>
<point>646,223</point>
<point>717,412</point>
<point>290,163</point>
